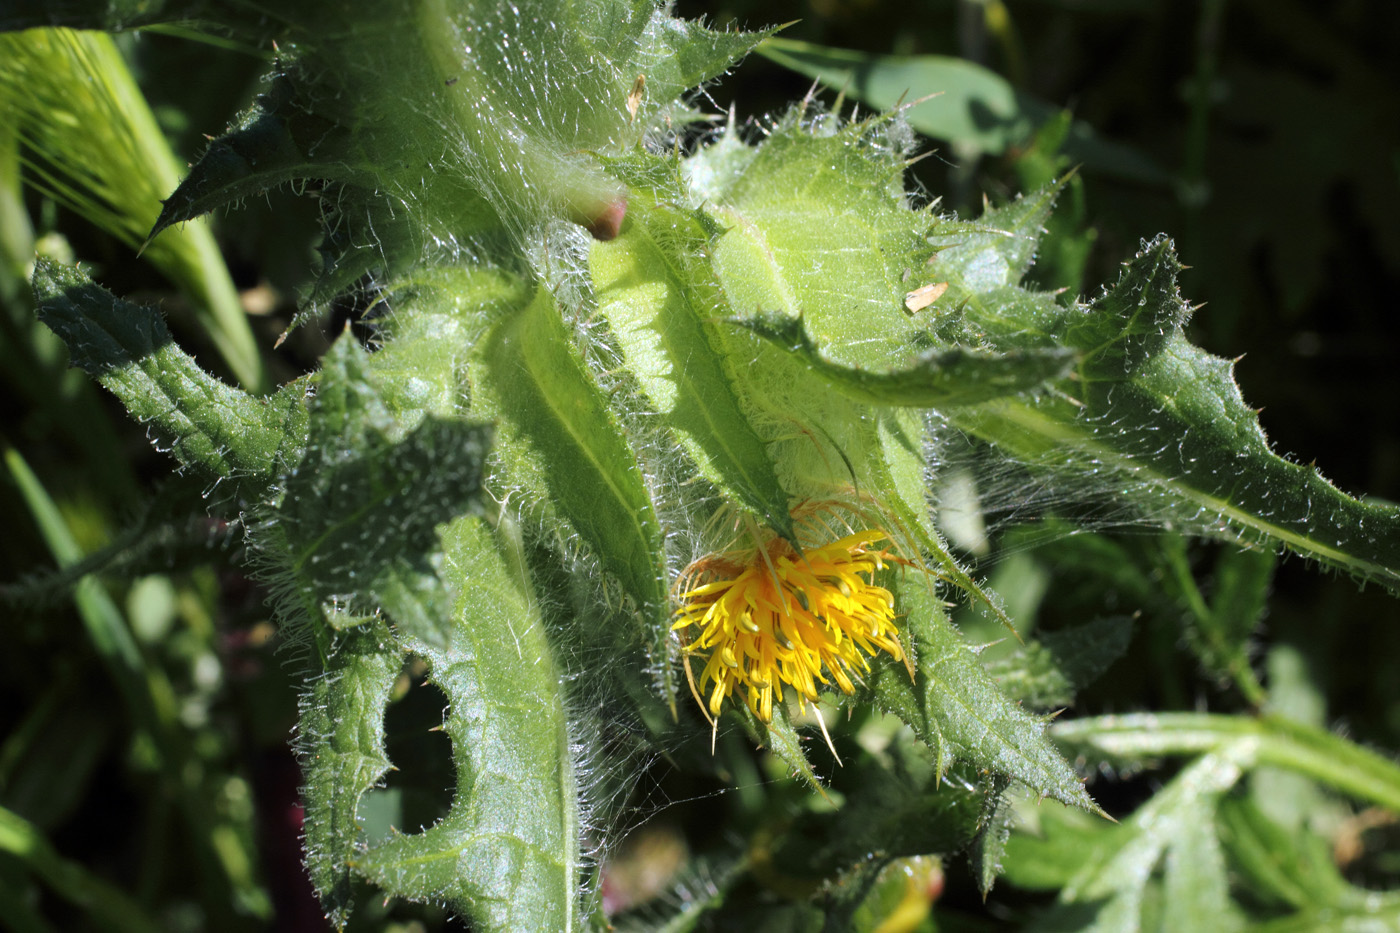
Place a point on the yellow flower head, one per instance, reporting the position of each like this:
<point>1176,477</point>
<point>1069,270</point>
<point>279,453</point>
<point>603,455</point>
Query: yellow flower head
<point>772,616</point>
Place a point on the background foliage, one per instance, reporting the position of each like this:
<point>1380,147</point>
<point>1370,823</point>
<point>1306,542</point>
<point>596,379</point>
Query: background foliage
<point>1262,136</point>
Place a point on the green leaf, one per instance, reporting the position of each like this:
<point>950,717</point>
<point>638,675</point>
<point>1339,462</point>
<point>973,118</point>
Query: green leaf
<point>1195,885</point>
<point>497,144</point>
<point>1292,868</point>
<point>662,305</point>
<point>818,226</point>
<point>956,100</point>
<point>341,742</point>
<point>440,319</point>
<point>937,378</point>
<point>956,709</point>
<point>1239,601</point>
<point>355,538</point>
<point>274,143</point>
<point>988,849</point>
<point>973,104</point>
<point>1219,460</point>
<point>359,513</point>
<point>1174,824</point>
<point>221,431</point>
<point>784,742</point>
<point>905,808</point>
<point>999,248</point>
<point>108,906</point>
<point>592,475</point>
<point>1184,447</point>
<point>1047,672</point>
<point>1052,844</point>
<point>1381,913</point>
<point>1219,632</point>
<point>507,853</point>
<point>1132,322</point>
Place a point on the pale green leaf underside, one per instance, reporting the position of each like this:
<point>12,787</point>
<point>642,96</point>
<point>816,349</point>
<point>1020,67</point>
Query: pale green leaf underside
<point>1270,740</point>
<point>1171,824</point>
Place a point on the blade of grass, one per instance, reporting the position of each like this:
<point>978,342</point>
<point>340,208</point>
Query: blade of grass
<point>107,906</point>
<point>91,143</point>
<point>150,701</point>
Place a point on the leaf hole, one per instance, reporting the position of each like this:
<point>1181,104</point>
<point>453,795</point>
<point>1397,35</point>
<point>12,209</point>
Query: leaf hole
<point>419,791</point>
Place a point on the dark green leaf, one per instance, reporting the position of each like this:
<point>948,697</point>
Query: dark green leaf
<point>784,742</point>
<point>109,906</point>
<point>988,848</point>
<point>359,513</point>
<point>275,143</point>
<point>901,809</point>
<point>1047,672</point>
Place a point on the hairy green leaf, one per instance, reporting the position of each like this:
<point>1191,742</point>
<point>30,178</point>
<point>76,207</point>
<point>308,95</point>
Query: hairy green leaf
<point>817,225</point>
<point>275,143</point>
<point>205,424</point>
<point>1187,447</point>
<point>355,530</point>
<point>341,740</point>
<point>507,853</point>
<point>592,474</point>
<point>988,848</point>
<point>954,707</point>
<point>662,304</point>
<point>1132,322</point>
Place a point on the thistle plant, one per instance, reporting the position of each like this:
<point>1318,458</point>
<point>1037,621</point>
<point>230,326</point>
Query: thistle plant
<point>642,444</point>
